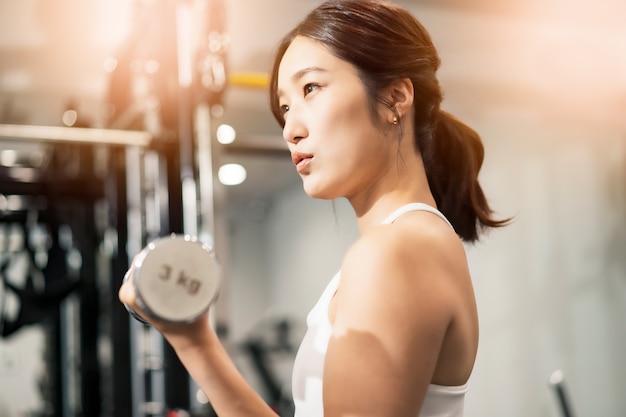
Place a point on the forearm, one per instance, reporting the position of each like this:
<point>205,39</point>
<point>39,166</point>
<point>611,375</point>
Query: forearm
<point>212,369</point>
<point>201,352</point>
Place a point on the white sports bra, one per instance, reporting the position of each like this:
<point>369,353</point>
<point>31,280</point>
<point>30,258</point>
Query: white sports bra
<point>440,401</point>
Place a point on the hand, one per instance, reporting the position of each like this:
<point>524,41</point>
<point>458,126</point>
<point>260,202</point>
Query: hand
<point>180,335</point>
<point>128,296</point>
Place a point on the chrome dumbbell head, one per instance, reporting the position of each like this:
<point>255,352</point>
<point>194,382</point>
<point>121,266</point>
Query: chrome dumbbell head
<point>176,279</point>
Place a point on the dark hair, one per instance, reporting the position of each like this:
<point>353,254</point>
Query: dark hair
<point>386,43</point>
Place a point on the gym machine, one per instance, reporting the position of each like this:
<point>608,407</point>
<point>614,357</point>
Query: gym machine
<point>68,217</point>
<point>99,196</point>
<point>96,197</point>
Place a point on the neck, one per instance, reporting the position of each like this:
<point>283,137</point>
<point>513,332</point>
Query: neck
<point>407,184</point>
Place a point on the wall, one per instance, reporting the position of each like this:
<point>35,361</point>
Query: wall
<point>551,287</point>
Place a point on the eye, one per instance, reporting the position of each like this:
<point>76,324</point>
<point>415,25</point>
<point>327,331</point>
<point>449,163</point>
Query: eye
<point>309,88</point>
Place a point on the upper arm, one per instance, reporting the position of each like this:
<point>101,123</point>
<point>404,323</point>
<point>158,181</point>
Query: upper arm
<point>392,313</point>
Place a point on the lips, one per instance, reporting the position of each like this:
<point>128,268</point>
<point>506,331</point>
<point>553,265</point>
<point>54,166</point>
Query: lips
<point>301,160</point>
<point>298,157</point>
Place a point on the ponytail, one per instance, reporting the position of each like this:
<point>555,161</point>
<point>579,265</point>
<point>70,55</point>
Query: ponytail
<point>452,167</point>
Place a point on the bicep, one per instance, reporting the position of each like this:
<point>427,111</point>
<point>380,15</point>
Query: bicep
<point>389,325</point>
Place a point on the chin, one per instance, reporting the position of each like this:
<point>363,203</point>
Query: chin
<point>318,192</point>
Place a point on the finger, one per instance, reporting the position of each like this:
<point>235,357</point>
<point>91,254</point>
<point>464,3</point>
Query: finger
<point>128,297</point>
<point>126,293</point>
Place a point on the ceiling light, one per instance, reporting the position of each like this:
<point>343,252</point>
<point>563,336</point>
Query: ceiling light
<point>217,110</point>
<point>70,117</point>
<point>8,157</point>
<point>226,134</point>
<point>231,174</point>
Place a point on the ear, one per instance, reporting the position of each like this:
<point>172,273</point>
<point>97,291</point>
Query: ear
<point>400,96</point>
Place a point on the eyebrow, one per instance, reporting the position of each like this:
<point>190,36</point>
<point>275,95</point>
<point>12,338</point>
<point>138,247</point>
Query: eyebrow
<point>299,74</point>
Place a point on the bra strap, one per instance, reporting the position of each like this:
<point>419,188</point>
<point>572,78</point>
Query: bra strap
<point>414,207</point>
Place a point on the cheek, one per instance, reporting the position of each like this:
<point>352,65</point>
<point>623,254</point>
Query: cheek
<point>362,137</point>
<point>346,130</point>
<point>350,118</point>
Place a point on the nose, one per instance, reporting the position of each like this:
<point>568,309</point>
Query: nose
<point>294,130</point>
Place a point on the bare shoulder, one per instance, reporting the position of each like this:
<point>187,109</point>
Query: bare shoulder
<point>417,248</point>
<point>414,268</point>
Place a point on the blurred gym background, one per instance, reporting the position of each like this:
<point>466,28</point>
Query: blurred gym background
<point>122,121</point>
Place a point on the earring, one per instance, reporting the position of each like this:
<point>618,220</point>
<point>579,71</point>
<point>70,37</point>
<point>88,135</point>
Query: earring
<point>396,117</point>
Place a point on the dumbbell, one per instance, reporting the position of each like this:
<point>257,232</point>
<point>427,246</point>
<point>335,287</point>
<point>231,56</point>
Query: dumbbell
<point>176,279</point>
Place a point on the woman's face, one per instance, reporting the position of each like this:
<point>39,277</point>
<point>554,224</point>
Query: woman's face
<point>329,128</point>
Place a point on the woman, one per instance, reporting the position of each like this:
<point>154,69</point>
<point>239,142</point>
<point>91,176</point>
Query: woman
<point>396,331</point>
